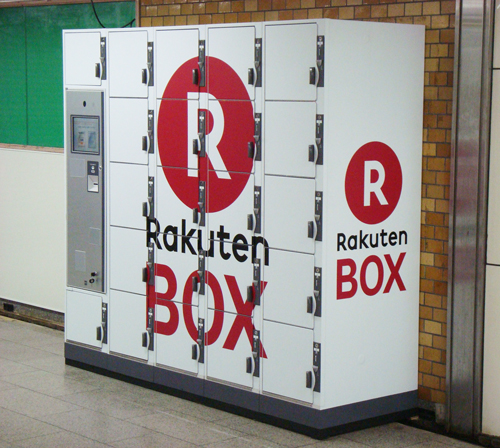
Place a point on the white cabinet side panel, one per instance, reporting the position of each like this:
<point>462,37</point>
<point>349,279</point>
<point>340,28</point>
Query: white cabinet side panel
<point>493,242</point>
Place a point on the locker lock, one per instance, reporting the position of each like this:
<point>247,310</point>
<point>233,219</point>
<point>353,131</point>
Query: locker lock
<point>93,276</point>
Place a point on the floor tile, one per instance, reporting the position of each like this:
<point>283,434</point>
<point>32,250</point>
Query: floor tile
<point>47,383</point>
<point>107,403</point>
<point>153,440</point>
<point>14,427</point>
<point>394,435</point>
<point>189,429</point>
<point>32,404</point>
<point>11,367</point>
<point>95,426</point>
<point>60,440</point>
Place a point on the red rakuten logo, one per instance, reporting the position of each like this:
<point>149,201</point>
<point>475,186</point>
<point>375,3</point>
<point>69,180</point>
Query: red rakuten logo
<point>373,182</point>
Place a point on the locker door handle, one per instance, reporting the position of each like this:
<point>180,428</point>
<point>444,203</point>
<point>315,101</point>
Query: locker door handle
<point>312,76</point>
<point>309,379</point>
<point>249,366</point>
<point>195,284</point>
<point>251,150</point>
<point>144,142</point>
<point>98,334</point>
<point>144,75</point>
<point>250,294</point>
<point>145,209</point>
<point>145,275</point>
<point>196,218</point>
<point>310,229</point>
<point>251,76</point>
<point>145,339</point>
<point>196,78</point>
<point>196,151</point>
<point>194,351</point>
<point>312,154</point>
<point>98,70</point>
<point>310,305</point>
<point>250,225</point>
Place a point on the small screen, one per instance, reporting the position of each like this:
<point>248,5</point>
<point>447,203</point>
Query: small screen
<point>85,132</point>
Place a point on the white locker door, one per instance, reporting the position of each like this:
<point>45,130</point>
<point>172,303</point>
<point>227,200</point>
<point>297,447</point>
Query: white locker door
<point>179,144</point>
<point>231,54</point>
<point>128,130</point>
<point>228,347</point>
<point>290,53</point>
<point>289,213</point>
<point>289,138</point>
<point>128,64</point>
<point>289,353</point>
<point>82,63</point>
<point>229,131</point>
<point>231,209</point>
<point>177,195</point>
<point>176,54</point>
<point>230,274</point>
<point>175,339</point>
<point>176,266</point>
<point>289,285</point>
<point>128,256</point>
<point>128,190</point>
<point>127,323</point>
<point>83,317</point>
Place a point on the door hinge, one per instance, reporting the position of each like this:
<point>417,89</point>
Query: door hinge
<point>258,62</point>
<point>199,212</point>
<point>256,353</point>
<point>253,291</point>
<point>148,208</point>
<point>151,131</point>
<point>320,60</point>
<point>102,330</point>
<point>151,81</point>
<point>201,64</point>
<point>318,215</point>
<point>317,291</point>
<point>319,138</point>
<point>201,340</point>
<point>103,58</point>
<point>201,271</point>
<point>317,366</point>
<point>150,278</point>
<point>150,329</point>
<point>254,220</point>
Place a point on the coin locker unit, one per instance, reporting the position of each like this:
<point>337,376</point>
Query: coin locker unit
<point>220,242</point>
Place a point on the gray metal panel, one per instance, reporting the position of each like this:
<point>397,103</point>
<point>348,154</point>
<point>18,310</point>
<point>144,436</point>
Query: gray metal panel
<point>85,189</point>
<point>470,152</point>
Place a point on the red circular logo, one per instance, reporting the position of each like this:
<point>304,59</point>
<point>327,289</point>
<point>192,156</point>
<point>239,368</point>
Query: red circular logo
<point>373,182</point>
<point>229,128</point>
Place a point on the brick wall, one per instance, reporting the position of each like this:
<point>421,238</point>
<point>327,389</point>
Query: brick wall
<point>439,18</point>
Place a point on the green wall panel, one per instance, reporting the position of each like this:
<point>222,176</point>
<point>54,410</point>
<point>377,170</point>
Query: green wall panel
<point>39,108</point>
<point>12,77</point>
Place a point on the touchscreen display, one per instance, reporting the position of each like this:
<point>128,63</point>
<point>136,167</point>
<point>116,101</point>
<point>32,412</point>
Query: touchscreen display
<point>85,134</point>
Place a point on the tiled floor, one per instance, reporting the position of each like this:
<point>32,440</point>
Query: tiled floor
<point>44,403</point>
